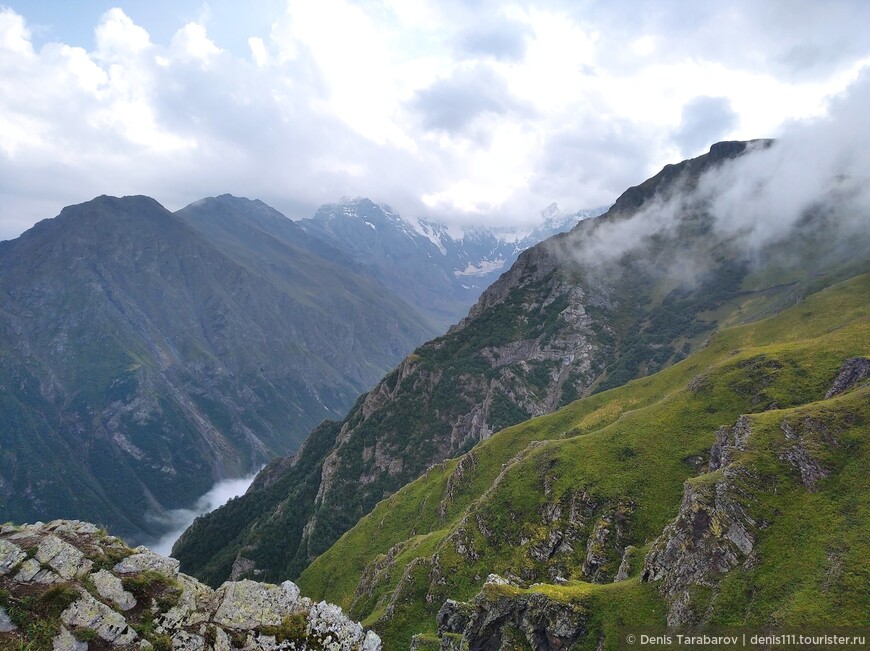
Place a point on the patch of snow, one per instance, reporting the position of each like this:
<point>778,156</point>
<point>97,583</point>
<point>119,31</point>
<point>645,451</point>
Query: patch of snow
<point>484,267</point>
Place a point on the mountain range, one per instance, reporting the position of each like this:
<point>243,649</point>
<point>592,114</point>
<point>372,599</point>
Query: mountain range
<point>438,272</point>
<point>148,354</point>
<point>487,481</point>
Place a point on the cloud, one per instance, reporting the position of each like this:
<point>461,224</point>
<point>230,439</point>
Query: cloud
<point>704,120</point>
<point>176,521</point>
<point>817,170</point>
<point>500,39</point>
<point>465,112</point>
<point>454,104</point>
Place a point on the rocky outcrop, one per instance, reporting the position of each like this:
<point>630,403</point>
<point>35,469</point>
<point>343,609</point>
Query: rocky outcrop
<point>712,533</point>
<point>498,620</point>
<point>89,588</point>
<point>851,373</point>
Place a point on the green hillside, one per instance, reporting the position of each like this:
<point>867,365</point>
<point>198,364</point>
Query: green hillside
<point>564,500</point>
<point>576,315</point>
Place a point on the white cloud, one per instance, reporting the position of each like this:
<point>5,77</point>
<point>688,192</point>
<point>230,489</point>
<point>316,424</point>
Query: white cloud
<point>192,42</point>
<point>453,110</point>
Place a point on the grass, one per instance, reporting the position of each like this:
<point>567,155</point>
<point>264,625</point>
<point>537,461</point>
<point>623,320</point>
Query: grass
<point>604,447</point>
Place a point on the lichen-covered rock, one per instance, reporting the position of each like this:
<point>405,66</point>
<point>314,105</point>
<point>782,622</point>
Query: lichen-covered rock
<point>87,612</point>
<point>65,641</point>
<point>110,587</point>
<point>247,604</point>
<point>31,571</point>
<point>144,603</point>
<point>144,560</point>
<point>10,556</point>
<point>63,558</point>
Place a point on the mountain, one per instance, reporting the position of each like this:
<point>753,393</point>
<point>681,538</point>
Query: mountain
<point>69,585</point>
<point>440,274</point>
<point>146,355</point>
<point>726,491</point>
<point>574,316</point>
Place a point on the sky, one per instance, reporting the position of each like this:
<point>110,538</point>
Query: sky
<point>470,112</point>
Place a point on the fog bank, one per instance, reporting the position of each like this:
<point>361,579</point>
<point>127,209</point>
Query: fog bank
<point>180,519</point>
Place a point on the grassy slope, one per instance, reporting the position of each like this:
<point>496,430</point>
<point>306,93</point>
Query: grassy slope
<point>630,446</point>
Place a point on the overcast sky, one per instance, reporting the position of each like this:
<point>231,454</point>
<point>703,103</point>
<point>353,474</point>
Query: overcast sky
<point>467,112</point>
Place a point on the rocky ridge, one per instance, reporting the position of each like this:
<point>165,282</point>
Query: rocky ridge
<point>67,585</point>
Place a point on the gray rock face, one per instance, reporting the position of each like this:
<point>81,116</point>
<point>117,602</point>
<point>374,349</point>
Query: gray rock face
<point>65,641</point>
<point>180,609</point>
<point>543,624</point>
<point>711,535</point>
<point>728,441</point>
<point>851,373</point>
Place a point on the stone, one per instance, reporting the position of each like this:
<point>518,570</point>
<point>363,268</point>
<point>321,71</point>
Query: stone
<point>74,527</point>
<point>711,534</point>
<point>6,624</point>
<point>329,624</point>
<point>87,612</point>
<point>221,639</point>
<point>194,606</point>
<point>144,561</point>
<point>495,579</point>
<point>851,373</point>
<point>184,641</point>
<point>201,619</point>
<point>63,558</point>
<point>625,564</point>
<point>247,604</point>
<point>29,569</point>
<point>65,641</point>
<point>10,556</point>
<point>110,587</point>
<point>291,589</point>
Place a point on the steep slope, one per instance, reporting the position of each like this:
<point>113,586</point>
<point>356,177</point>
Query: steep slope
<point>726,490</point>
<point>561,323</point>
<point>438,273</point>
<point>141,361</point>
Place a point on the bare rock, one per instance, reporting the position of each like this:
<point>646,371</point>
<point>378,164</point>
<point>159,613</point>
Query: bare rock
<point>711,535</point>
<point>87,612</point>
<point>851,373</point>
<point>109,587</point>
<point>247,604</point>
<point>728,441</point>
<point>10,556</point>
<point>63,558</point>
<point>810,470</point>
<point>145,560</point>
<point>6,624</point>
<point>66,642</point>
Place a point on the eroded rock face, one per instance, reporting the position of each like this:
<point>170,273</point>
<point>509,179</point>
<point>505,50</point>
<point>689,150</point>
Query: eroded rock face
<point>851,373</point>
<point>143,601</point>
<point>519,621</point>
<point>712,533</point>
